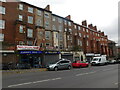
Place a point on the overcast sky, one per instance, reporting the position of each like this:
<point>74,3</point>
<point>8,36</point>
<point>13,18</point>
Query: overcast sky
<point>102,13</point>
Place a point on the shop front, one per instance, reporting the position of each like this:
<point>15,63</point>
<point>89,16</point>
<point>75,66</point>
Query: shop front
<point>50,57</point>
<point>67,55</point>
<point>29,56</point>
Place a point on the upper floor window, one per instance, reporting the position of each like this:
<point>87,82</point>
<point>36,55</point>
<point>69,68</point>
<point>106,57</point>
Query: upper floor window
<point>87,43</point>
<point>30,9</point>
<point>21,29</point>
<point>75,26</point>
<point>30,19</point>
<point>87,30</point>
<point>47,35</point>
<point>2,24</point>
<point>46,15</point>
<point>53,27</point>
<point>38,22</point>
<point>65,29</point>
<point>59,20</point>
<point>80,34</point>
<point>1,37</point>
<point>3,0</point>
<point>20,6</point>
<point>39,12</point>
<point>69,23</point>
<point>53,18</point>
<point>65,22</point>
<point>21,43</point>
<point>30,33</point>
<point>2,10</point>
<point>78,27</point>
<point>46,23</point>
<point>30,43</point>
<point>20,18</point>
<point>60,28</point>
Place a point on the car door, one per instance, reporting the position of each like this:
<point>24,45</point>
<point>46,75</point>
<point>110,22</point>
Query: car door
<point>61,65</point>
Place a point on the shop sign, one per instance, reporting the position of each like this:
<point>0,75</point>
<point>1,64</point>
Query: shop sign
<point>21,47</point>
<point>52,52</point>
<point>31,52</point>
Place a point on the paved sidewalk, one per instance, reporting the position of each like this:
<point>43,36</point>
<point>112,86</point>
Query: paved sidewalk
<point>22,71</point>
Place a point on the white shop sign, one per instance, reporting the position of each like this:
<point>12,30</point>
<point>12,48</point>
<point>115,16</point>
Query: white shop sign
<point>21,47</point>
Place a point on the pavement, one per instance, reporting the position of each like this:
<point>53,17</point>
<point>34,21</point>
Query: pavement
<point>91,77</point>
<point>18,71</point>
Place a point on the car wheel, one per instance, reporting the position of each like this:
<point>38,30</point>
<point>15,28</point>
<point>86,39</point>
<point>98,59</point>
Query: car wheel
<point>69,67</point>
<point>56,68</point>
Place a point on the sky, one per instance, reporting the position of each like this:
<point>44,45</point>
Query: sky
<point>100,13</point>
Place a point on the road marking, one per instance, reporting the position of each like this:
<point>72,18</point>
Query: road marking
<point>85,73</point>
<point>34,82</point>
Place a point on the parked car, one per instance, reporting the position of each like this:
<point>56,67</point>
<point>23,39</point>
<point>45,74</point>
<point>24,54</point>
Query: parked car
<point>61,64</point>
<point>79,64</point>
<point>112,61</point>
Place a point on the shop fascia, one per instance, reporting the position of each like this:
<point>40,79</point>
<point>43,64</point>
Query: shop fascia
<point>34,50</point>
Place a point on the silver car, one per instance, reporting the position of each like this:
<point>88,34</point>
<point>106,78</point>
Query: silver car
<point>61,64</point>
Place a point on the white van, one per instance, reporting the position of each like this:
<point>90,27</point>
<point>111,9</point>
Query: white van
<point>101,60</point>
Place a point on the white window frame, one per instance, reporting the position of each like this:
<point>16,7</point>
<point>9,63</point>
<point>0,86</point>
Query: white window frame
<point>2,10</point>
<point>30,33</point>
<point>39,12</point>
<point>20,6</point>
<point>30,9</point>
<point>21,29</point>
<point>79,28</point>
<point>30,19</point>
<point>3,0</point>
<point>20,18</point>
<point>46,15</point>
<point>46,24</point>
<point>69,23</point>
<point>87,43</point>
<point>53,18</point>
<point>2,24</point>
<point>1,37</point>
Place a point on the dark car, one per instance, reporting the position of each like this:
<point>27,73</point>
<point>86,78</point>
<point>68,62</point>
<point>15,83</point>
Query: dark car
<point>61,64</point>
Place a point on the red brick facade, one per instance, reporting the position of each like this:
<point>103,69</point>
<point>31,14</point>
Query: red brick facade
<point>84,37</point>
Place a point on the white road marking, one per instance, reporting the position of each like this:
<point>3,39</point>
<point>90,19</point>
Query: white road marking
<point>85,73</point>
<point>34,82</point>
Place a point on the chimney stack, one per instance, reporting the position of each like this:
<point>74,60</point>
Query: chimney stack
<point>47,7</point>
<point>95,28</point>
<point>68,17</point>
<point>90,26</point>
<point>84,23</point>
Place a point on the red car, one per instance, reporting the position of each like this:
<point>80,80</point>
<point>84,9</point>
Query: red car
<point>79,64</point>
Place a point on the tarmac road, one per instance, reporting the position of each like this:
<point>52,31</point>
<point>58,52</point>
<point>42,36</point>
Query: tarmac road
<point>91,77</point>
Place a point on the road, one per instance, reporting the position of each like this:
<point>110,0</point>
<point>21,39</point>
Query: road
<point>91,77</point>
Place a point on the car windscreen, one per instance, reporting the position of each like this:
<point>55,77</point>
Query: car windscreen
<point>95,59</point>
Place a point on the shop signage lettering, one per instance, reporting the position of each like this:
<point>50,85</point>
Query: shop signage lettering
<point>50,52</point>
<point>20,47</point>
<point>31,52</point>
